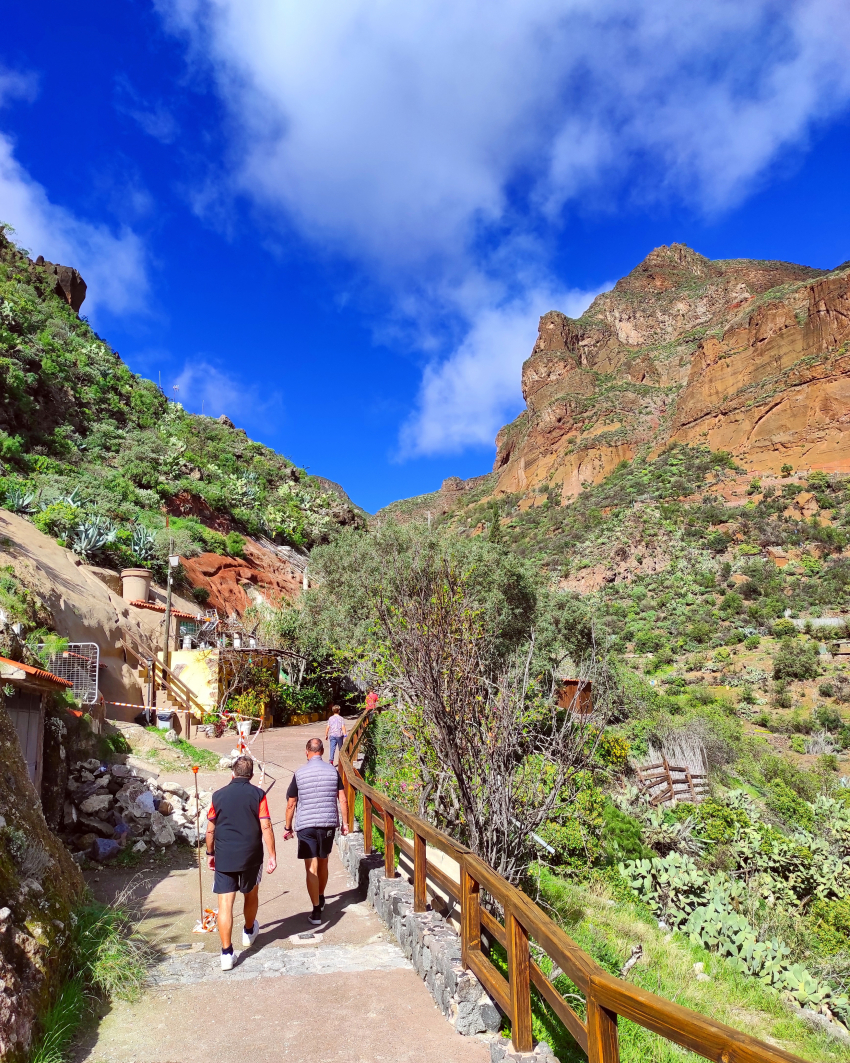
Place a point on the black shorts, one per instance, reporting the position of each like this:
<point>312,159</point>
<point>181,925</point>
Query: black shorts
<point>243,881</point>
<point>315,842</point>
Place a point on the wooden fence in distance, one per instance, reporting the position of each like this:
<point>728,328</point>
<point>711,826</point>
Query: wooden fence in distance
<point>606,997</point>
<point>666,782</point>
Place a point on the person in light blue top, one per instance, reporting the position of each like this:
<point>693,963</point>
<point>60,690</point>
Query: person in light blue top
<point>335,733</point>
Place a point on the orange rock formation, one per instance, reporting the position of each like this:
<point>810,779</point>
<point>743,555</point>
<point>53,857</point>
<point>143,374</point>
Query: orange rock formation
<point>235,583</point>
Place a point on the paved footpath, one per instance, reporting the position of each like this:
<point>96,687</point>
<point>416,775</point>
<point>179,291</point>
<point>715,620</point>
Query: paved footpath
<point>345,993</point>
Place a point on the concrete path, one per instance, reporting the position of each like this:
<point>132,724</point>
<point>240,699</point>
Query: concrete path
<point>343,992</point>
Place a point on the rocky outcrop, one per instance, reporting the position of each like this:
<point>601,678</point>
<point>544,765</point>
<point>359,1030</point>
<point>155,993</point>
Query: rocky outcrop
<point>739,355</point>
<point>234,583</point>
<point>39,887</point>
<point>453,491</point>
<point>67,282</point>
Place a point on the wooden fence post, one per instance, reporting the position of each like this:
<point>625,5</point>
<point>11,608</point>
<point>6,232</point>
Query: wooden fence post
<point>367,825</point>
<point>419,867</point>
<point>519,972</point>
<point>470,915</point>
<point>389,845</point>
<point>351,797</point>
<point>603,1045</point>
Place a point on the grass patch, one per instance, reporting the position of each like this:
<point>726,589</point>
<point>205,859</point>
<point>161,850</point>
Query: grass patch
<point>205,758</point>
<point>109,961</point>
<point>606,926</point>
<point>60,1024</point>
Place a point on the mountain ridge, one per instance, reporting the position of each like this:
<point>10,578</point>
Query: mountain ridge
<point>744,355</point>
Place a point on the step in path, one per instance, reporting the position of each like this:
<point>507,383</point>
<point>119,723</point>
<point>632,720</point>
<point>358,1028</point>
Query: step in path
<point>346,993</point>
<point>276,962</point>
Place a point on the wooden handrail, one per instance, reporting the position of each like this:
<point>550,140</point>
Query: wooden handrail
<point>170,682</point>
<point>606,997</point>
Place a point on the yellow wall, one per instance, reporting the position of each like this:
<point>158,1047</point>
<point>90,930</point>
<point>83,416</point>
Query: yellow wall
<point>198,672</point>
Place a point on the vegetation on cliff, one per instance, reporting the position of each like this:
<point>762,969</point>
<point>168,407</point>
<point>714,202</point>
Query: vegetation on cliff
<point>95,454</point>
<point>707,587</point>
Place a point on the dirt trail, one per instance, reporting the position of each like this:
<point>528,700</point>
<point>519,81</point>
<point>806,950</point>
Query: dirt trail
<point>346,994</point>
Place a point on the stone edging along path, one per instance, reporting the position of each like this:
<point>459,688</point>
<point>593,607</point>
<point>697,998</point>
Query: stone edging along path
<point>433,948</point>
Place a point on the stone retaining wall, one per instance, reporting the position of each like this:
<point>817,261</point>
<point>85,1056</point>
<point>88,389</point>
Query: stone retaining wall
<point>433,948</point>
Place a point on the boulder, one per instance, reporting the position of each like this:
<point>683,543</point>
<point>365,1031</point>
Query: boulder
<point>144,803</point>
<point>67,282</point>
<point>163,837</point>
<point>104,849</point>
<point>121,771</point>
<point>96,803</point>
<point>174,788</point>
<point>96,826</point>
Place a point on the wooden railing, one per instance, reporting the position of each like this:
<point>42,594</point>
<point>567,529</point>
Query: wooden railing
<point>163,678</point>
<point>606,997</point>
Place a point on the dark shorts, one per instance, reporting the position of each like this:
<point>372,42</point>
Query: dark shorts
<point>315,842</point>
<point>241,881</point>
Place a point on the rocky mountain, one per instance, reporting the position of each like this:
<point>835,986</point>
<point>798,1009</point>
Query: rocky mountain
<point>738,355</point>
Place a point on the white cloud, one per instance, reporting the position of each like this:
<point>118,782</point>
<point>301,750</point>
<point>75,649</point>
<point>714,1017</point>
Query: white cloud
<point>397,124</point>
<point>465,399</point>
<point>15,84</point>
<point>153,118</point>
<point>204,388</point>
<point>112,265</point>
<point>411,135</point>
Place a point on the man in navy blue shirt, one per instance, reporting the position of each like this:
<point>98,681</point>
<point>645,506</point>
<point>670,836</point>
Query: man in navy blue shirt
<point>238,823</point>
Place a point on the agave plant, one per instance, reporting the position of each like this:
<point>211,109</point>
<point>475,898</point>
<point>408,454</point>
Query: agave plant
<point>92,536</point>
<point>73,499</point>
<point>143,543</point>
<point>20,501</point>
<point>819,744</point>
<point>667,837</point>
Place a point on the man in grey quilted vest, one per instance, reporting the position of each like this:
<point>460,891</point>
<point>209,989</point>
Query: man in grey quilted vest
<point>312,799</point>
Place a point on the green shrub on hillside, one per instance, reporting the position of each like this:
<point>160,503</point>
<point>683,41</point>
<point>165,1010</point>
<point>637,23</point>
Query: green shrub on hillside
<point>235,544</point>
<point>782,800</point>
<point>784,629</point>
<point>795,661</point>
<point>621,837</point>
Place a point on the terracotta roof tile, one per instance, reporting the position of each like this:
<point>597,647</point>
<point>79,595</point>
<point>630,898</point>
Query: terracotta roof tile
<point>39,673</point>
<point>157,608</point>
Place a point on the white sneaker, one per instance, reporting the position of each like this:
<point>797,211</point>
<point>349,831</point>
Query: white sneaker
<point>227,961</point>
<point>249,939</point>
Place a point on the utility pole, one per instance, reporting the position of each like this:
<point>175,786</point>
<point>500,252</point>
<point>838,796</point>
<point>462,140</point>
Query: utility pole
<point>166,648</point>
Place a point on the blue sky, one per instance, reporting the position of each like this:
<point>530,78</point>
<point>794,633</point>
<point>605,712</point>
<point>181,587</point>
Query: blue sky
<point>338,222</point>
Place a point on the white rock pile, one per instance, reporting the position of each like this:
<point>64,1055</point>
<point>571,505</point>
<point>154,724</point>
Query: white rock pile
<point>111,806</point>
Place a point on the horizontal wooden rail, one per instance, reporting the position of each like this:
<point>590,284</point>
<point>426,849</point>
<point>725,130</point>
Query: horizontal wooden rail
<point>606,997</point>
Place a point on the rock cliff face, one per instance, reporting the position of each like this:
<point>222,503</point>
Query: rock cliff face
<point>739,355</point>
<point>68,284</point>
<point>265,573</point>
<point>39,887</point>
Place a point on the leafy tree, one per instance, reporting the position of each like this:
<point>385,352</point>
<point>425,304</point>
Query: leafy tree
<point>446,626</point>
